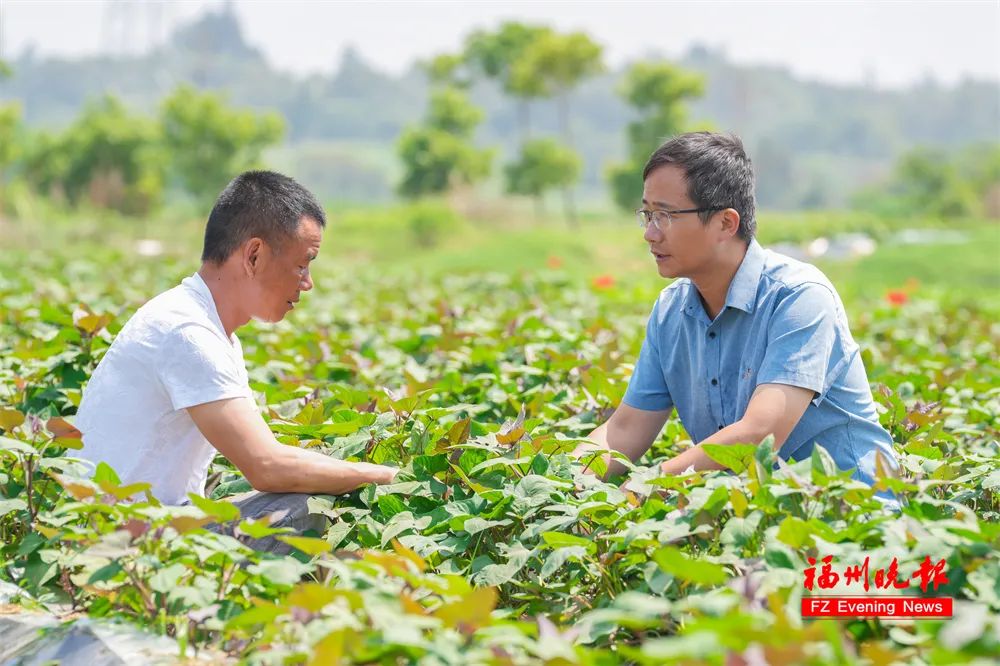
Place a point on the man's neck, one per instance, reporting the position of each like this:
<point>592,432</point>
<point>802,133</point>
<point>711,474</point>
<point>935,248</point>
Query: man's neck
<point>713,286</point>
<point>225,293</point>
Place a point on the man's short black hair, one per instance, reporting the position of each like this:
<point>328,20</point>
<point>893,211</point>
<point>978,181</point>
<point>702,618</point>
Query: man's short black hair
<point>718,173</point>
<point>257,204</point>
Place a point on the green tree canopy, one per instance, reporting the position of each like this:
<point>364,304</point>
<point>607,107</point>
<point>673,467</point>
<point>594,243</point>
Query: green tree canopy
<point>209,142</point>
<point>107,157</point>
<point>658,91</point>
<point>554,64</point>
<point>451,111</point>
<point>544,164</point>
<point>934,182</point>
<point>440,153</point>
<point>495,54</point>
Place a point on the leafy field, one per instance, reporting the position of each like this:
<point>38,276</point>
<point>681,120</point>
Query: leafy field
<point>493,546</point>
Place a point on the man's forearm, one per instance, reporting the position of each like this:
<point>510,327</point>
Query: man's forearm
<point>695,457</point>
<point>599,442</point>
<point>295,470</point>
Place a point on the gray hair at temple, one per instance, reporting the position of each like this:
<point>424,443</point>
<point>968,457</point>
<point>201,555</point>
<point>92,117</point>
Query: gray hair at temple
<point>718,173</point>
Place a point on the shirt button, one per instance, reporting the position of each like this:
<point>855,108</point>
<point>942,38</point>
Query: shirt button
<point>715,382</point>
<point>712,334</point>
<point>721,426</point>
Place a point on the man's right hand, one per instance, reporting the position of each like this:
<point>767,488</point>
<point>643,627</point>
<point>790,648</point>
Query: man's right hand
<point>236,429</point>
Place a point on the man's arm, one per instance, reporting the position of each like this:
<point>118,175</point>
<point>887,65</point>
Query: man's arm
<point>629,430</point>
<point>773,409</point>
<point>236,429</point>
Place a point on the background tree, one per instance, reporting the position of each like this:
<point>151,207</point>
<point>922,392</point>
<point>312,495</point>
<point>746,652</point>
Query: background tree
<point>494,54</point>
<point>108,157</point>
<point>556,64</point>
<point>10,136</point>
<point>439,153</point>
<point>658,91</point>
<point>10,144</point>
<point>209,142</point>
<point>545,164</point>
<point>933,182</point>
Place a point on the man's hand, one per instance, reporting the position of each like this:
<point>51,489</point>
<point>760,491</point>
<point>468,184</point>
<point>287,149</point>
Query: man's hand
<point>236,429</point>
<point>774,409</point>
<point>629,430</point>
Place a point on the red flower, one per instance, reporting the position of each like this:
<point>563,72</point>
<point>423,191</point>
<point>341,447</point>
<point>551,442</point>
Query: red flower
<point>554,262</point>
<point>603,281</point>
<point>896,297</point>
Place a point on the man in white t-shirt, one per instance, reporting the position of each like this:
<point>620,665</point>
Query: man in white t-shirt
<point>172,389</point>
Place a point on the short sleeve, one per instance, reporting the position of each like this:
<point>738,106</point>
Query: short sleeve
<point>805,345</point>
<point>196,365</point>
<point>647,389</point>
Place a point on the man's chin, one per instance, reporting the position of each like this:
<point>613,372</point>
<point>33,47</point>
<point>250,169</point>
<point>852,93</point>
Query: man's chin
<point>666,273</point>
<point>267,319</point>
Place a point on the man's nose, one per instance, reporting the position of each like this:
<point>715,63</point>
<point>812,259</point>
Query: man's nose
<point>652,233</point>
<point>306,282</point>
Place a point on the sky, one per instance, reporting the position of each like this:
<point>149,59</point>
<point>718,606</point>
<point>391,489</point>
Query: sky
<point>886,44</point>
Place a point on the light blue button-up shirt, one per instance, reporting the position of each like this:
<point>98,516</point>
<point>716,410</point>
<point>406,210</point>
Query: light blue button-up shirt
<point>783,323</point>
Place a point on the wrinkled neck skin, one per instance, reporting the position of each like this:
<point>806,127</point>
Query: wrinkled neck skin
<point>713,283</point>
<point>227,282</point>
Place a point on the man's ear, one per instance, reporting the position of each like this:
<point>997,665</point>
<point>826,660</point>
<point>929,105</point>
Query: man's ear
<point>253,250</point>
<point>730,221</point>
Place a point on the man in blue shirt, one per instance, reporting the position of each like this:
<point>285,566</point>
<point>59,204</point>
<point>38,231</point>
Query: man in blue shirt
<point>746,342</point>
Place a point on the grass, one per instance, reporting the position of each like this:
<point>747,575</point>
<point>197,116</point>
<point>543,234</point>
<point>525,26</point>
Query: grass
<point>508,240</point>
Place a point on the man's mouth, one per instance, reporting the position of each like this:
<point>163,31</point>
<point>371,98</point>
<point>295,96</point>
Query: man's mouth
<point>658,256</point>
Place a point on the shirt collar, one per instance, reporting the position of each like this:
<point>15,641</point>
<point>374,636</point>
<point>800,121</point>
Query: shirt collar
<point>742,293</point>
<point>201,288</point>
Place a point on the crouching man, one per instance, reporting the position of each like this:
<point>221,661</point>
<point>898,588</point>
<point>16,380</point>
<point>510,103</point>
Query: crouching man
<point>746,342</point>
<point>172,390</point>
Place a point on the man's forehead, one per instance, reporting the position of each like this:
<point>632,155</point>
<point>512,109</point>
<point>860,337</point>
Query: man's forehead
<point>666,186</point>
<point>310,231</point>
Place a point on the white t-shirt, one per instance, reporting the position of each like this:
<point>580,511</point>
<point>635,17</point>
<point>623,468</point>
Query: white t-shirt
<point>172,354</point>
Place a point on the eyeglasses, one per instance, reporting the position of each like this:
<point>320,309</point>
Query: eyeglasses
<point>662,219</point>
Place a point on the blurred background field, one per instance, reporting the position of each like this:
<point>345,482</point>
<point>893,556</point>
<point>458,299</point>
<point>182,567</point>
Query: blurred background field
<point>517,148</point>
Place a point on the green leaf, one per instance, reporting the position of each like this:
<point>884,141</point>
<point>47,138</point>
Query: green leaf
<point>558,557</point>
<point>16,446</point>
<point>264,613</point>
<point>472,611</point>
<point>103,474</point>
<point>498,574</point>
<point>167,578</point>
<point>260,528</point>
<point>476,525</point>
<point>563,540</point>
<point>10,419</point>
<point>308,545</point>
<point>311,596</point>
<point>736,457</point>
<point>425,467</point>
<point>390,505</point>
<point>738,532</point>
<point>679,565</point>
<point>823,466</point>
<point>9,505</point>
<point>107,572</point>
<point>221,510</point>
<point>795,532</point>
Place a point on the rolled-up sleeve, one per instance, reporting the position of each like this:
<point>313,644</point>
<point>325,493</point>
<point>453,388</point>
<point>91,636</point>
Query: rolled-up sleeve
<point>806,346</point>
<point>196,367</point>
<point>648,387</point>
